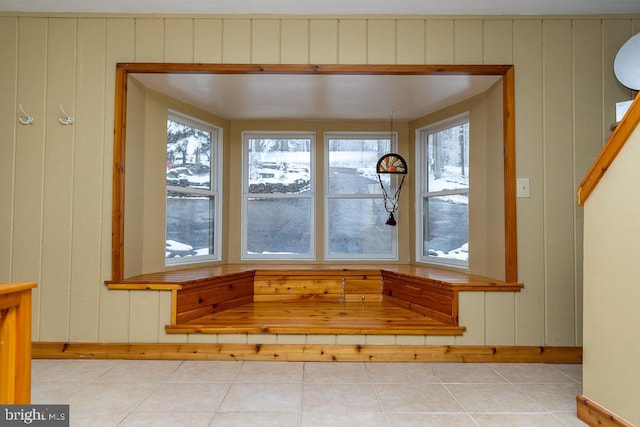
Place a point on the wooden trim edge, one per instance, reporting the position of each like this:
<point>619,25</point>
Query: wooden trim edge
<point>595,415</point>
<point>308,352</point>
<point>611,149</point>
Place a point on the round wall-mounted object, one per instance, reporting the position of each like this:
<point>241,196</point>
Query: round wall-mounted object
<point>626,66</point>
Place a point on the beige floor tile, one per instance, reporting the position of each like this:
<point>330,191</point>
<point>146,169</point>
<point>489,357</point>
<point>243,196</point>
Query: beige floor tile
<point>55,393</point>
<point>532,373</point>
<point>517,420</point>
<point>96,419</point>
<point>465,373</point>
<point>257,419</point>
<point>430,420</point>
<point>273,397</point>
<point>554,397</point>
<point>493,398</point>
<point>70,370</point>
<point>402,398</point>
<point>181,419</point>
<point>40,365</point>
<point>569,419</point>
<point>196,371</point>
<point>395,373</point>
<point>572,370</point>
<point>335,373</point>
<point>134,371</point>
<point>110,396</point>
<point>343,419</point>
<point>185,397</point>
<point>107,393</point>
<point>270,372</point>
<point>339,398</point>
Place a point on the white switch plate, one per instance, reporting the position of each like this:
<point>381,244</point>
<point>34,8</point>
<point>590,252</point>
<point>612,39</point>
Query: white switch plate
<point>522,187</point>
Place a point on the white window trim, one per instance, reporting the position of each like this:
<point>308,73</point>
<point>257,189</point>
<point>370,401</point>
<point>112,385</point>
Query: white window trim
<point>245,255</point>
<point>420,193</point>
<point>393,256</point>
<point>216,185</point>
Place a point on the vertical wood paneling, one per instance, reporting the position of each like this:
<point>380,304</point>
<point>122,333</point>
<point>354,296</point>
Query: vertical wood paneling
<point>8,123</point>
<point>440,41</point>
<point>114,306</point>
<point>527,41</point>
<point>178,40</point>
<point>436,340</point>
<point>381,43</point>
<point>87,183</point>
<point>149,40</point>
<point>498,42</point>
<point>471,313</point>
<point>323,41</point>
<point>295,41</point>
<point>236,41</point>
<point>559,191</point>
<point>143,309</point>
<point>65,171</point>
<point>352,41</point>
<point>144,316</point>
<point>411,41</point>
<point>207,43</point>
<point>265,41</point>
<point>468,37</point>
<point>500,318</point>
<point>587,101</point>
<point>58,179</point>
<point>26,259</point>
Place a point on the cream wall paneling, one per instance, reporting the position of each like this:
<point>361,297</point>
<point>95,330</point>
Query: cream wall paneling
<point>558,173</point>
<point>55,228</point>
<point>207,40</point>
<point>113,316</point>
<point>527,59</point>
<point>294,41</point>
<point>8,128</point>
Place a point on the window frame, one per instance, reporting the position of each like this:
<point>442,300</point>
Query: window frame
<point>422,176</point>
<point>310,195</point>
<point>393,136</point>
<point>213,193</point>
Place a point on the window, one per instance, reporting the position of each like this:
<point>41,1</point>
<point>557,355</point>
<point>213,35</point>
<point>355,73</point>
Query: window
<point>278,199</point>
<point>354,207</point>
<point>193,202</point>
<point>443,192</point>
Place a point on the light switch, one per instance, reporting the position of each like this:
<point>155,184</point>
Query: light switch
<point>522,187</point>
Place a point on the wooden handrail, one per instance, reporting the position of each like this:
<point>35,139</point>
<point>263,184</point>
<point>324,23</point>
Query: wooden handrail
<point>609,152</point>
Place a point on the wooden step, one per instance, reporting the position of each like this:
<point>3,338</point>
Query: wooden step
<point>317,316</point>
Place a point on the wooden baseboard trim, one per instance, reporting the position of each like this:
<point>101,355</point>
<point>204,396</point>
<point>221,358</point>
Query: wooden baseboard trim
<point>308,352</point>
<point>595,415</point>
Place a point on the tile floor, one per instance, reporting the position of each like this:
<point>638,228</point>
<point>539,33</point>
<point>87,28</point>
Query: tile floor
<point>213,393</point>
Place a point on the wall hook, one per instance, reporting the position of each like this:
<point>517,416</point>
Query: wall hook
<point>28,120</point>
<point>67,120</point>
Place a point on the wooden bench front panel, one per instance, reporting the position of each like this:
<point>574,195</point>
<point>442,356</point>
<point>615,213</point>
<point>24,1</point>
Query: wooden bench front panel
<point>365,287</point>
<point>213,295</point>
<point>317,285</point>
<point>421,295</point>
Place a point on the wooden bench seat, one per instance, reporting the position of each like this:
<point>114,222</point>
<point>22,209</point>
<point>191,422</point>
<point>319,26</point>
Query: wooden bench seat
<point>315,299</point>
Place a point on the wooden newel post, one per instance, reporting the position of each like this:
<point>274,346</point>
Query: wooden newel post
<point>15,343</point>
